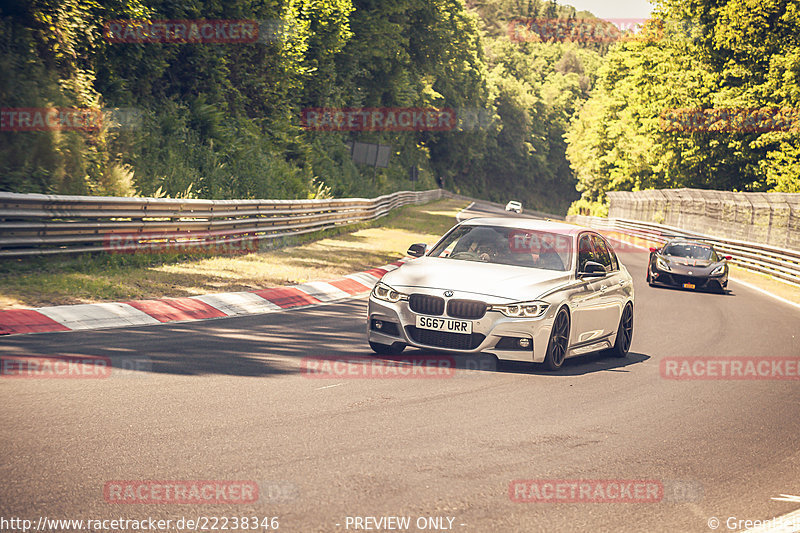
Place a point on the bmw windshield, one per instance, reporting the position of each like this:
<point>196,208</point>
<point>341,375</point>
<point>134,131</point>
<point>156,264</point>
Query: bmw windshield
<point>507,246</point>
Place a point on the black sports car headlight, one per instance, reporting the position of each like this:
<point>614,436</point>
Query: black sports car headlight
<point>718,271</point>
<point>662,265</point>
<point>522,309</point>
<point>382,291</point>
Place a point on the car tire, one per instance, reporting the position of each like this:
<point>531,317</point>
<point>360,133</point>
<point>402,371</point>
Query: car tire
<point>559,341</point>
<point>624,334</point>
<point>650,278</point>
<point>386,349</point>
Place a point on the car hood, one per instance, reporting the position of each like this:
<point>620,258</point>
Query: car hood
<point>490,282</point>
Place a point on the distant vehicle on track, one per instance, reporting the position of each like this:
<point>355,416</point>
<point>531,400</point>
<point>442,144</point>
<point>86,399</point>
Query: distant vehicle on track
<point>688,264</point>
<point>526,290</point>
<point>515,206</point>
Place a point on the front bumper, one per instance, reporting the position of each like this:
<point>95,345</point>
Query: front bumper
<point>398,324</point>
<point>677,279</point>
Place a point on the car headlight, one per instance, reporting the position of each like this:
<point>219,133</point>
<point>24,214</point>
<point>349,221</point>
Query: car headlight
<point>718,271</point>
<point>522,309</point>
<point>382,291</point>
<point>660,263</point>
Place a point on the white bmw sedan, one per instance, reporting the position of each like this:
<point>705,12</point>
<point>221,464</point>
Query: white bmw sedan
<point>525,290</point>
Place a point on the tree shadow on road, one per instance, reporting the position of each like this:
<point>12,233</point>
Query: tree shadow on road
<point>252,345</point>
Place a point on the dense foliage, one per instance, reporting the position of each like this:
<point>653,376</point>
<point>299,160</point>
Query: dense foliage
<point>223,120</point>
<point>537,118</point>
<point>699,54</point>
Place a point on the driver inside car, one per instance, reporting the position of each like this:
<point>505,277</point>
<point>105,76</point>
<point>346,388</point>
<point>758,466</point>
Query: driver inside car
<point>487,251</point>
<point>486,248</point>
<point>545,256</point>
<point>481,244</point>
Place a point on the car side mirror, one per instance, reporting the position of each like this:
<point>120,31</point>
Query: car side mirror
<point>592,270</point>
<point>727,258</point>
<point>417,250</point>
<point>653,249</point>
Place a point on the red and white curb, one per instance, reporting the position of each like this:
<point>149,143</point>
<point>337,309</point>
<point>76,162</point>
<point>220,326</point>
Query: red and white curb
<point>207,306</point>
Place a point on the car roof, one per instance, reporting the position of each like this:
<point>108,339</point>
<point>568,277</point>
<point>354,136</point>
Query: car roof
<point>526,224</point>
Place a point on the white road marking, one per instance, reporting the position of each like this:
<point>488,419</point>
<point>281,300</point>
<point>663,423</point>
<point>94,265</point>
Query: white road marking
<point>329,386</point>
<point>788,498</point>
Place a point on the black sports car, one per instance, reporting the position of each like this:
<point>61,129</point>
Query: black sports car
<point>688,264</point>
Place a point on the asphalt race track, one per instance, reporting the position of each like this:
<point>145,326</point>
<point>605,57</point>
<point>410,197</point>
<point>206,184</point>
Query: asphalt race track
<point>226,400</point>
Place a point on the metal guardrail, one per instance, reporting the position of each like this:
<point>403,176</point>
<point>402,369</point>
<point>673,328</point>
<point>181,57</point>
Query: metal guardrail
<point>777,262</point>
<point>38,224</point>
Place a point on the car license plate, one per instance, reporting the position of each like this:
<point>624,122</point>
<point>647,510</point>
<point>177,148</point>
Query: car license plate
<point>688,285</point>
<point>444,324</point>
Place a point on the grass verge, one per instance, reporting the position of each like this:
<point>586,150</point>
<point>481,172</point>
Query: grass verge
<point>36,282</point>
